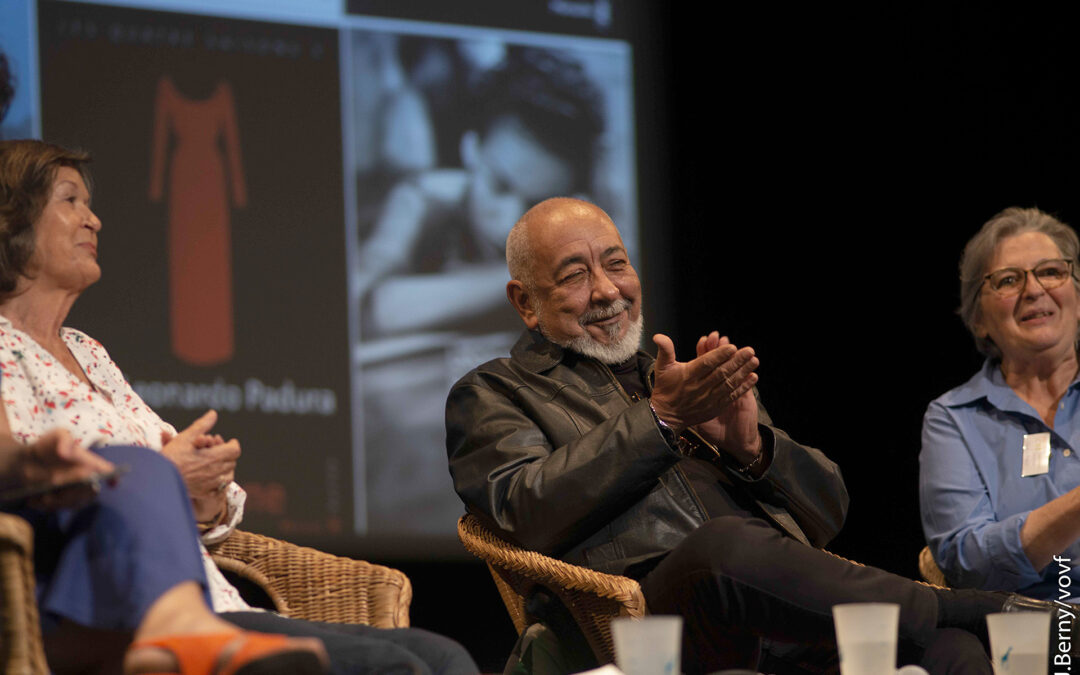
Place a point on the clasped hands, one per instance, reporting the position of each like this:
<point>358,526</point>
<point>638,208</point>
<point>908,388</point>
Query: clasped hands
<point>711,394</point>
<point>207,462</point>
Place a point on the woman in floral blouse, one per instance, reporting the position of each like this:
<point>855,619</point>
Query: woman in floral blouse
<point>57,378</point>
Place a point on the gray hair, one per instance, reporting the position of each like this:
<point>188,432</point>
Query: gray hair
<point>980,249</point>
<point>519,254</point>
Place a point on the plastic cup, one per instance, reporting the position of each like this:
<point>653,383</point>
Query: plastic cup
<point>1019,642</point>
<point>650,645</point>
<point>866,637</point>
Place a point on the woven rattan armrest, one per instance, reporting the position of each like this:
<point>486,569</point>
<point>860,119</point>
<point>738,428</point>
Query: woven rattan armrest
<point>593,598</point>
<point>929,569</point>
<point>21,649</point>
<point>304,583</point>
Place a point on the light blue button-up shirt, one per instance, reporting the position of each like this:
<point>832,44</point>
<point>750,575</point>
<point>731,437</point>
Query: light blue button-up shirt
<point>973,498</point>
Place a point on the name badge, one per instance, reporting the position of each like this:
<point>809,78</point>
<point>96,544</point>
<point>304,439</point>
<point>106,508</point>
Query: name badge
<point>1036,454</point>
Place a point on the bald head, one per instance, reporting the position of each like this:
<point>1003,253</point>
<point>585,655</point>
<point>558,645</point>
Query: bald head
<point>573,280</point>
<point>520,243</point>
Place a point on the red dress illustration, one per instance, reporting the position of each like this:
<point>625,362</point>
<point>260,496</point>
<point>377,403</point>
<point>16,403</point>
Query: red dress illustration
<point>205,163</point>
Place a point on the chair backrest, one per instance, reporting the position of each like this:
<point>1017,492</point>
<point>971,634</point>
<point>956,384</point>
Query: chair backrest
<point>929,569</point>
<point>592,598</point>
<point>21,648</point>
<point>304,583</point>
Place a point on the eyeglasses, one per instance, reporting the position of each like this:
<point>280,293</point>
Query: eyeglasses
<point>1010,281</point>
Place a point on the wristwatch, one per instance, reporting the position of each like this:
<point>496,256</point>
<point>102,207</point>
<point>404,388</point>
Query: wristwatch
<point>676,441</point>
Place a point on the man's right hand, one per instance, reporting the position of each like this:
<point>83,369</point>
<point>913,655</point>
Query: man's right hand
<point>685,394</point>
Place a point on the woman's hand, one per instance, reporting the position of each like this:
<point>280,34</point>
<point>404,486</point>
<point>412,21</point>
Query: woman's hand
<point>207,463</point>
<point>54,459</point>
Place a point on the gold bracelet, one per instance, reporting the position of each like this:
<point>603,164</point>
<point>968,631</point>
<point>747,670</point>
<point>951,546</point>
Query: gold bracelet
<point>749,468</point>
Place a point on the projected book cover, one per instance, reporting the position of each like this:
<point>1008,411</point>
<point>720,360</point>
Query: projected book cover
<point>217,167</point>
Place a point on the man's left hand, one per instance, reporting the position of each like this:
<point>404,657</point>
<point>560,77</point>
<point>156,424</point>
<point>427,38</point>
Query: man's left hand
<point>735,429</point>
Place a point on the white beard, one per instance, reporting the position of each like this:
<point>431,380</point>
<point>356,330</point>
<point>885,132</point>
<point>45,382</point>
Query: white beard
<point>619,349</point>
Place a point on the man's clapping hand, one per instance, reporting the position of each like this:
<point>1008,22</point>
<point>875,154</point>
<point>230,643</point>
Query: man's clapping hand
<point>712,393</point>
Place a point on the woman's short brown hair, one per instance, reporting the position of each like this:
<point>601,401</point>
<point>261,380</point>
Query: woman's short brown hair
<point>27,171</point>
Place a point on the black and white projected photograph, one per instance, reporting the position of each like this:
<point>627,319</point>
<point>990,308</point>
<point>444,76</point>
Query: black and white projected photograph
<point>455,134</point>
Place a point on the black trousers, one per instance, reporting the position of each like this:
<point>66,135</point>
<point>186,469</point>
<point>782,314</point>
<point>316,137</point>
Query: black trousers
<point>738,580</point>
<point>363,649</point>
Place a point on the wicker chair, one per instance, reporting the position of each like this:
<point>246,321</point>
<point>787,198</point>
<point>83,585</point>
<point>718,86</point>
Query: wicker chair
<point>929,569</point>
<point>593,598</point>
<point>21,651</point>
<point>301,582</point>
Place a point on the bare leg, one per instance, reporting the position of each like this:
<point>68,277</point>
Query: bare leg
<point>182,611</point>
<point>72,648</point>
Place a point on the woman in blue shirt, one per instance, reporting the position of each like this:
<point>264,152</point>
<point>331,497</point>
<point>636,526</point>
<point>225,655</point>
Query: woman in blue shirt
<point>998,468</point>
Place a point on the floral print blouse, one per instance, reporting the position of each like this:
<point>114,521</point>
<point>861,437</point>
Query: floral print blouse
<point>40,394</point>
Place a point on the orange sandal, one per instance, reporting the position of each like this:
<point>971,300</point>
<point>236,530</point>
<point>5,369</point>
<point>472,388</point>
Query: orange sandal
<point>256,654</point>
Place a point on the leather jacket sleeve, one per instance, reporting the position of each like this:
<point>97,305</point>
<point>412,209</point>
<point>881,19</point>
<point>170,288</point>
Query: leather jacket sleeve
<point>805,483</point>
<point>547,476</point>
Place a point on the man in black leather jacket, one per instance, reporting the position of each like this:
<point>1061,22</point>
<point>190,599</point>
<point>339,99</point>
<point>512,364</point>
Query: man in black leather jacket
<point>582,447</point>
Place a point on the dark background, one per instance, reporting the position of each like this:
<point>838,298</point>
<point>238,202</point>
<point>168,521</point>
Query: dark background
<point>808,179</point>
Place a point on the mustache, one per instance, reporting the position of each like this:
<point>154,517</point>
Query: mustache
<point>601,313</point>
